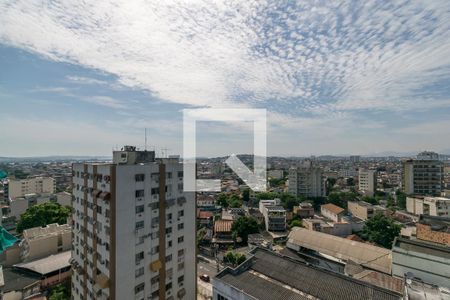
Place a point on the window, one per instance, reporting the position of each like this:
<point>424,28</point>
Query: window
<point>168,286</point>
<point>155,279</point>
<point>180,187</point>
<point>139,257</point>
<point>139,209</point>
<point>154,250</point>
<point>139,177</point>
<point>139,224</point>
<point>181,252</point>
<point>181,213</point>
<point>168,230</point>
<point>139,272</point>
<point>139,193</point>
<point>180,173</point>
<point>220,297</point>
<point>180,239</point>
<point>169,175</point>
<point>139,288</point>
<point>180,226</point>
<point>180,279</point>
<point>169,258</point>
<point>155,191</point>
<point>169,244</point>
<point>181,266</point>
<point>169,217</point>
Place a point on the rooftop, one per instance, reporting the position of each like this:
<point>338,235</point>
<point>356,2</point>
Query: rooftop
<point>223,225</point>
<point>48,264</point>
<point>17,280</point>
<point>268,275</point>
<point>51,229</point>
<point>436,223</point>
<point>369,256</point>
<point>333,208</point>
<point>424,247</point>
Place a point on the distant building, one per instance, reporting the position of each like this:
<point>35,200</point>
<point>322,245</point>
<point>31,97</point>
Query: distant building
<point>332,212</point>
<point>367,181</point>
<point>334,228</point>
<point>64,198</point>
<point>222,232</point>
<point>19,205</point>
<point>355,158</point>
<point>304,210</point>
<point>428,261</point>
<point>362,210</point>
<point>39,242</point>
<point>431,206</point>
<point>434,229</point>
<point>307,180</point>
<point>274,215</point>
<point>34,185</point>
<point>276,174</point>
<point>269,275</point>
<point>423,175</point>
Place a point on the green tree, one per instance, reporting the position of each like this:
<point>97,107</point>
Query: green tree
<point>234,258</point>
<point>401,199</point>
<point>295,223</point>
<point>381,230</point>
<point>368,199</point>
<point>246,195</point>
<point>42,215</point>
<point>60,292</point>
<point>222,200</point>
<point>244,226</point>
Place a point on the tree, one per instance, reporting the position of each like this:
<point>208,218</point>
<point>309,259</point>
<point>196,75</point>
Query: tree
<point>381,230</point>
<point>401,199</point>
<point>60,292</point>
<point>371,200</point>
<point>246,195</point>
<point>350,181</point>
<point>295,223</point>
<point>244,226</point>
<point>42,215</point>
<point>222,200</point>
<point>234,258</point>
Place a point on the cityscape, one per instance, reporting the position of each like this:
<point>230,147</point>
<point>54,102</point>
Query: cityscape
<point>228,150</point>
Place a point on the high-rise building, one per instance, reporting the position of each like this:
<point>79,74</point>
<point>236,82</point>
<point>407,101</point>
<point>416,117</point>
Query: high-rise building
<point>133,229</point>
<point>367,181</point>
<point>34,185</point>
<point>423,175</point>
<point>306,180</point>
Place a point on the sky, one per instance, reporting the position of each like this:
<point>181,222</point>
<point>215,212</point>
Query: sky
<point>336,77</point>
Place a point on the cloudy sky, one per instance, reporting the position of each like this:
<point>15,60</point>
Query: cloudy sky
<point>336,77</point>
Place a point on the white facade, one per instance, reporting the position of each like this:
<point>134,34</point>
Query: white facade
<point>144,231</point>
<point>274,215</point>
<point>64,198</point>
<point>430,206</point>
<point>35,185</point>
<point>367,181</point>
<point>307,181</point>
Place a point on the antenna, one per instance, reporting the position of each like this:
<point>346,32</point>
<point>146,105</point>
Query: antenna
<point>145,139</point>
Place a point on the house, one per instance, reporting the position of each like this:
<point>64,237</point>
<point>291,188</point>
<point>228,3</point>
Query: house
<point>222,232</point>
<point>274,215</point>
<point>362,210</point>
<point>205,218</point>
<point>304,210</point>
<point>434,229</point>
<point>334,228</point>
<point>19,284</point>
<point>332,212</point>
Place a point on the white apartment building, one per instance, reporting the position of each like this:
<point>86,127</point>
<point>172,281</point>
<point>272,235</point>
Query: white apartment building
<point>367,181</point>
<point>18,205</point>
<point>34,185</point>
<point>133,229</point>
<point>430,206</point>
<point>274,214</point>
<point>307,180</point>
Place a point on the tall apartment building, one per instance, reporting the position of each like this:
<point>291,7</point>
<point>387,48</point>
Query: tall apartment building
<point>133,229</point>
<point>367,181</point>
<point>34,185</point>
<point>306,180</point>
<point>423,175</point>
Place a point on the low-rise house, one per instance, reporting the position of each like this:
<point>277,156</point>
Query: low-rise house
<point>222,232</point>
<point>39,242</point>
<point>205,218</point>
<point>332,212</point>
<point>431,206</point>
<point>19,284</point>
<point>334,228</point>
<point>304,210</point>
<point>434,229</point>
<point>64,198</point>
<point>361,209</point>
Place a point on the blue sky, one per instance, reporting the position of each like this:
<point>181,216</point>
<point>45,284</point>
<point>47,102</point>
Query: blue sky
<point>337,77</point>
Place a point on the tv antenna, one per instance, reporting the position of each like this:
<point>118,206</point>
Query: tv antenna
<point>145,132</point>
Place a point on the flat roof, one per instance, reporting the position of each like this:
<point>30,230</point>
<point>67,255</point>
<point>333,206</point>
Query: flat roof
<point>422,247</point>
<point>269,275</point>
<point>17,280</point>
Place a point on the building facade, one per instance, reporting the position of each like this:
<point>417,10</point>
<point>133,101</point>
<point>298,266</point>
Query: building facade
<point>35,185</point>
<point>423,175</point>
<point>307,180</point>
<point>133,229</point>
<point>430,206</point>
<point>361,210</point>
<point>367,181</point>
<point>274,215</point>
